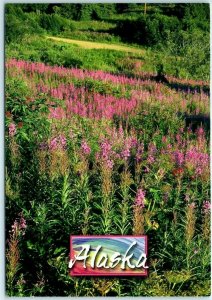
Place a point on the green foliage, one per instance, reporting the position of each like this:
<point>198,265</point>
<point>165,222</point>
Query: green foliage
<point>55,23</point>
<point>147,30</point>
<point>19,24</point>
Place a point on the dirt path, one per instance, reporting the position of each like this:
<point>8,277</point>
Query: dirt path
<point>95,45</point>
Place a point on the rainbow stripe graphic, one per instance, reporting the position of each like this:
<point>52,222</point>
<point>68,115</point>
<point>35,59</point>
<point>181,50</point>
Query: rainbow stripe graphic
<point>99,252</point>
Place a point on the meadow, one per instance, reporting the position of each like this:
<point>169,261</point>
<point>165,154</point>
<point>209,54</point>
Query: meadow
<point>96,145</point>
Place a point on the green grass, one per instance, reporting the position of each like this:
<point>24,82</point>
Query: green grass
<point>95,45</point>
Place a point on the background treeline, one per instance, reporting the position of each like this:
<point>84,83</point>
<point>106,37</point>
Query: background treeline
<point>174,30</point>
<point>148,24</point>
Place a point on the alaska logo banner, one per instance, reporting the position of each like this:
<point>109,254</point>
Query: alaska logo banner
<point>108,255</point>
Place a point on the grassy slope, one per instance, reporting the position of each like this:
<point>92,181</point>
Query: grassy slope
<point>95,45</point>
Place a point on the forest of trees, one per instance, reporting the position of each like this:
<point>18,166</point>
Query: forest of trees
<point>144,24</point>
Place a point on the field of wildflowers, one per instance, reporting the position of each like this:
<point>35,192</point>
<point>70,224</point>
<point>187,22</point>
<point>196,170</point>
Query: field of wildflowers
<point>91,152</point>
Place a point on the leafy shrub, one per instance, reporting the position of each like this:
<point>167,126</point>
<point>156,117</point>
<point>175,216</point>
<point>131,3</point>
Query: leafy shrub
<point>147,30</point>
<point>55,23</point>
<point>19,24</point>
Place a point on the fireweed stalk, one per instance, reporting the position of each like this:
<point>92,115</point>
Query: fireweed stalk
<point>59,160</point>
<point>13,146</point>
<point>42,157</point>
<point>107,196</point>
<point>138,215</point>
<point>189,231</point>
<point>124,207</point>
<point>190,223</point>
<point>138,162</point>
<point>86,194</point>
<point>13,253</point>
<point>206,221</point>
<point>105,162</point>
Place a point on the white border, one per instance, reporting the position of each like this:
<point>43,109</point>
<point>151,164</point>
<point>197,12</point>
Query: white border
<point>2,182</point>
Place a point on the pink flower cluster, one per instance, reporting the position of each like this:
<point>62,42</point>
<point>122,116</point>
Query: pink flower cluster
<point>93,105</point>
<point>152,150</point>
<point>19,226</point>
<point>139,152</point>
<point>206,207</point>
<point>140,197</point>
<point>57,143</point>
<point>12,129</point>
<point>179,158</point>
<point>106,155</point>
<point>85,148</point>
<point>79,101</point>
<point>197,161</point>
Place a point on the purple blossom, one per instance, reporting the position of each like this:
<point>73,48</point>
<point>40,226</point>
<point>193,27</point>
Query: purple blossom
<point>197,161</point>
<point>15,226</point>
<point>206,207</point>
<point>53,144</point>
<point>85,148</point>
<point>19,226</point>
<point>12,129</point>
<point>22,223</point>
<point>62,140</point>
<point>43,146</point>
<point>179,158</point>
<point>152,150</point>
<point>140,197</point>
<point>57,142</point>
<point>139,153</point>
<point>133,142</point>
<point>125,153</point>
<point>200,132</point>
<point>150,159</point>
<point>105,149</point>
<point>110,163</point>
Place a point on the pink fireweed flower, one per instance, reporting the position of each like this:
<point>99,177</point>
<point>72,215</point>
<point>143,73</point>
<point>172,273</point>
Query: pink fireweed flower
<point>53,144</point>
<point>22,223</point>
<point>85,148</point>
<point>110,163</point>
<point>152,150</point>
<point>57,113</point>
<point>12,129</point>
<point>133,142</point>
<point>179,158</point>
<point>125,153</point>
<point>206,207</point>
<point>150,159</point>
<point>43,146</point>
<point>129,143</point>
<point>57,142</point>
<point>197,161</point>
<point>200,132</point>
<point>62,140</point>
<point>139,152</point>
<point>19,226</point>
<point>140,197</point>
<point>105,149</point>
<point>15,226</point>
